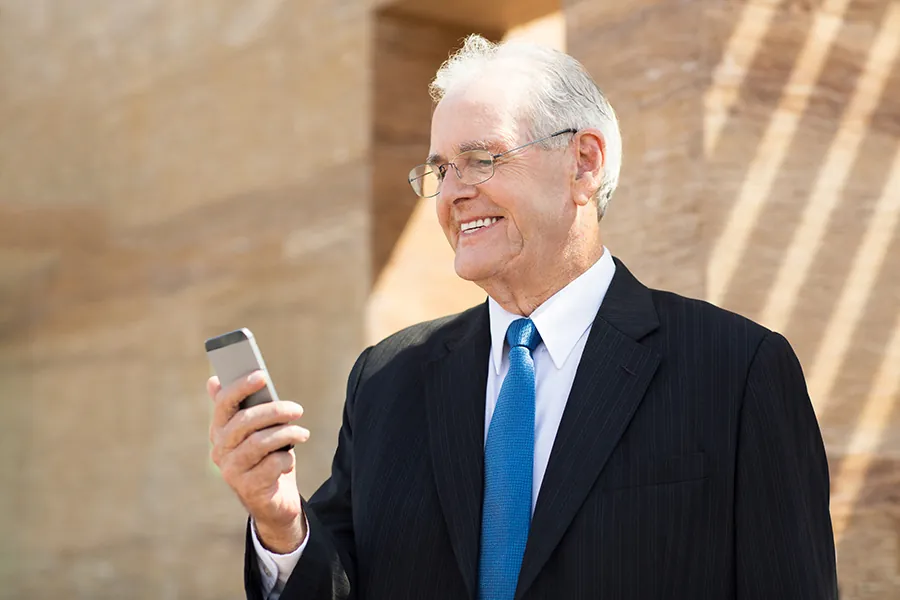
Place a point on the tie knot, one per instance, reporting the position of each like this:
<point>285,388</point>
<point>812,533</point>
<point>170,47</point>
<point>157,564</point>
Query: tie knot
<point>522,332</point>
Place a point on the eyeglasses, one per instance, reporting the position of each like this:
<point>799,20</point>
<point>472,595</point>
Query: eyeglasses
<point>472,167</point>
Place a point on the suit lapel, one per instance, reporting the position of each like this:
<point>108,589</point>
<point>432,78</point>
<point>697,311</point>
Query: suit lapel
<point>455,383</point>
<point>610,382</point>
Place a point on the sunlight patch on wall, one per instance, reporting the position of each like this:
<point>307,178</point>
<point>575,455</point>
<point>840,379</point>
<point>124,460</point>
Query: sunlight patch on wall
<point>549,31</point>
<point>832,177</point>
<point>419,282</point>
<point>730,248</point>
<point>867,436</point>
<point>729,74</point>
<point>867,264</point>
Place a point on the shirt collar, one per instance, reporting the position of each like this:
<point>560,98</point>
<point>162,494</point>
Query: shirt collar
<point>563,318</point>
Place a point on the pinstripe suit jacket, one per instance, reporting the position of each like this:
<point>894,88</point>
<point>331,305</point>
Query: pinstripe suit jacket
<point>688,464</point>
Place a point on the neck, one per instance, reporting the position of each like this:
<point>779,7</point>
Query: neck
<point>524,291</point>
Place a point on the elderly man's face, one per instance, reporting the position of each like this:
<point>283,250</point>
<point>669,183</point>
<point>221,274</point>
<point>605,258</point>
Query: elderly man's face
<point>529,194</point>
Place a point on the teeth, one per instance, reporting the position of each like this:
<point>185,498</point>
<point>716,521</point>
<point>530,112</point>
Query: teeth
<point>478,223</point>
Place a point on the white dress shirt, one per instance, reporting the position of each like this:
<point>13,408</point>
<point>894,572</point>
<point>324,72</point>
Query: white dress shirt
<point>564,322</point>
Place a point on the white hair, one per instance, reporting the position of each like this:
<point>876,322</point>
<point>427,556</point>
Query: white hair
<point>562,95</point>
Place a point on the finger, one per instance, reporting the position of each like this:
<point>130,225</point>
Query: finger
<point>229,397</point>
<point>289,464</point>
<point>212,387</point>
<point>265,474</point>
<point>256,447</point>
<point>257,418</point>
<point>263,478</point>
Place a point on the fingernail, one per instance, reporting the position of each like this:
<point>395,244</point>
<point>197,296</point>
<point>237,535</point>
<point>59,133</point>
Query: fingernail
<point>255,378</point>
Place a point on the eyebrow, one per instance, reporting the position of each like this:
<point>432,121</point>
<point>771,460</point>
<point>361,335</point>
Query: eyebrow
<point>495,147</point>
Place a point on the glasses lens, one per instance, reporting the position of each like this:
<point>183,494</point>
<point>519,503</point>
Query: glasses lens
<point>425,181</point>
<point>476,166</point>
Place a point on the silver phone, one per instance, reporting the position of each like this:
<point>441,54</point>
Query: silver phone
<point>234,355</point>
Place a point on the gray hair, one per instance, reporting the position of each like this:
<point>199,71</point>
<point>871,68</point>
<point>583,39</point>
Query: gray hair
<point>563,95</point>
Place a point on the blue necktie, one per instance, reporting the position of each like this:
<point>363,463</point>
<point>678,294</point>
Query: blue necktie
<point>508,464</point>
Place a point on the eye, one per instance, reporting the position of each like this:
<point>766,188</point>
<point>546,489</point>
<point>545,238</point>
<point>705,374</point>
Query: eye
<point>442,170</point>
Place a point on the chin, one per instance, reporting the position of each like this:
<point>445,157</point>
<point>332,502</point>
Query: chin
<point>472,269</point>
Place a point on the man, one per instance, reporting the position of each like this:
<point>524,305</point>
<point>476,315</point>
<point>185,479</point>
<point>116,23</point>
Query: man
<point>578,435</point>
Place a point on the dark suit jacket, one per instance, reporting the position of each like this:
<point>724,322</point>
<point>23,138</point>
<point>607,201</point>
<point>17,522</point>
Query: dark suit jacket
<point>688,464</point>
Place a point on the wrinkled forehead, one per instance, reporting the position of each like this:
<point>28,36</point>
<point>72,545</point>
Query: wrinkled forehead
<point>477,117</point>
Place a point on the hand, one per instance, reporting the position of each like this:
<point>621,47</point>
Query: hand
<point>246,447</point>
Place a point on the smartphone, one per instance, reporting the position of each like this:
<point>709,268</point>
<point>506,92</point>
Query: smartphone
<point>234,355</point>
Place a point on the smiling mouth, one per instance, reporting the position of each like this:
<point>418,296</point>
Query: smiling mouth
<point>470,227</point>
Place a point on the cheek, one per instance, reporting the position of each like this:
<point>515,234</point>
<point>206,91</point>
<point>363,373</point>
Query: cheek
<point>536,207</point>
<point>512,196</point>
<point>442,209</point>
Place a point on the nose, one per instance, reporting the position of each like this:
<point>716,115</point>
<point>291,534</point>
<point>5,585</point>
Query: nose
<point>453,189</point>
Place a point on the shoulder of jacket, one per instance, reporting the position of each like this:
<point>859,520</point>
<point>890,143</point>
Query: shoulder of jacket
<point>423,340</point>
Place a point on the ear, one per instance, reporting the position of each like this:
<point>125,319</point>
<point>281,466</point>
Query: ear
<point>590,157</point>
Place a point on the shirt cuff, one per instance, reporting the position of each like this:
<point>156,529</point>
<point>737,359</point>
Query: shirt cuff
<point>276,569</point>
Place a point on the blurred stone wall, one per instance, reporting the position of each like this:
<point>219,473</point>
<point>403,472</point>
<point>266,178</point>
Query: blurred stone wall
<point>172,170</point>
<point>168,171</point>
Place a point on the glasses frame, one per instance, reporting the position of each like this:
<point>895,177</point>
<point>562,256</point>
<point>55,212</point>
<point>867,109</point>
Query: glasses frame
<point>442,169</point>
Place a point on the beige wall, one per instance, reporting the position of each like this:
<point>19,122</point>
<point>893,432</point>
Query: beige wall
<point>170,170</point>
